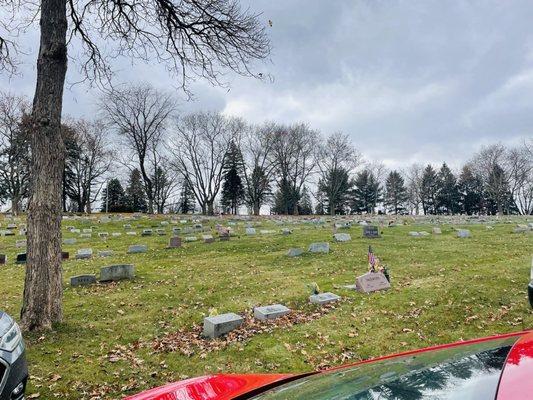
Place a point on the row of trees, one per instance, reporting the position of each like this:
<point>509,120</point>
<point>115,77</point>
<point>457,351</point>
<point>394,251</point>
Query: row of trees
<point>209,162</point>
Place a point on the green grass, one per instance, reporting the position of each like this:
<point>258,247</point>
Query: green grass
<point>443,289</point>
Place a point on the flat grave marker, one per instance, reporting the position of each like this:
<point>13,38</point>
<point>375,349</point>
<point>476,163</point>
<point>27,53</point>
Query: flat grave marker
<point>323,298</point>
<point>221,324</point>
<point>117,272</point>
<point>270,312</point>
<point>319,247</point>
<point>137,248</point>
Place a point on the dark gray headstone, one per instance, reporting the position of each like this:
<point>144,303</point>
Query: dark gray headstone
<point>3,259</point>
<point>137,248</point>
<point>82,280</point>
<point>65,255</point>
<point>21,258</point>
<point>320,247</point>
<point>371,231</point>
<point>174,242</point>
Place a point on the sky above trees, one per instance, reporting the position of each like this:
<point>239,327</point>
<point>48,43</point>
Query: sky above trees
<point>418,81</point>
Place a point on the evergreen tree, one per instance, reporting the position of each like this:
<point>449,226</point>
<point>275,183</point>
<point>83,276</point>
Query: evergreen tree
<point>135,194</point>
<point>429,190</point>
<point>470,188</point>
<point>366,194</point>
<point>335,187</point>
<point>113,197</point>
<point>232,187</point>
<point>187,202</point>
<point>305,207</point>
<point>448,192</point>
<point>395,193</point>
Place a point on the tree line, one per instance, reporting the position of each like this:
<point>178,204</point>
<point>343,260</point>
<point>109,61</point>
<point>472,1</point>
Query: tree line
<point>207,162</point>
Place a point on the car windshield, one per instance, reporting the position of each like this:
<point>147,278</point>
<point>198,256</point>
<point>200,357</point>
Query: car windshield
<point>468,372</point>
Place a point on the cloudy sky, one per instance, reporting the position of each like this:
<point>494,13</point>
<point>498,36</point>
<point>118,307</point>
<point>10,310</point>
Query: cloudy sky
<point>409,81</point>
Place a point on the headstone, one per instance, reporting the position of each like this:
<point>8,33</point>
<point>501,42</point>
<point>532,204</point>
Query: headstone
<point>146,232</point>
<point>137,248</point>
<point>82,280</point>
<point>174,242</point>
<point>131,233</point>
<point>11,226</point>
<point>127,226</point>
<point>65,255</point>
<point>295,252</point>
<point>75,231</point>
<point>250,231</point>
<point>3,259</point>
<point>87,230</point>
<point>423,233</point>
<point>208,238</point>
<point>342,237</point>
<point>116,234</point>
<point>221,324</point>
<point>270,312</point>
<point>463,233</point>
<point>105,253</point>
<point>84,254</point>
<point>286,231</point>
<point>224,237</point>
<point>414,234</point>
<point>370,231</point>
<point>85,235</point>
<point>69,241</point>
<point>323,298</point>
<point>21,258</point>
<point>320,247</point>
<point>20,243</point>
<point>117,272</point>
<point>371,281</point>
<point>103,235</point>
<point>161,232</point>
<point>437,231</point>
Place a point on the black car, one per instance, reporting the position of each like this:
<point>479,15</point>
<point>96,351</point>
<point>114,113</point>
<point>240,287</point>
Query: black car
<point>13,367</point>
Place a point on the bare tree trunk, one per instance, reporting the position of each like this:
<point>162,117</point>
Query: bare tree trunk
<point>42,287</point>
<point>256,209</point>
<point>210,208</point>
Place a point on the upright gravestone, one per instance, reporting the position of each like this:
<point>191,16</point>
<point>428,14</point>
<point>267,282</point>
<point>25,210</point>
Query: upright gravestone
<point>437,231</point>
<point>295,252</point>
<point>371,231</point>
<point>3,259</point>
<point>105,253</point>
<point>117,272</point>
<point>208,238</point>
<point>84,254</point>
<point>463,233</point>
<point>221,324</point>
<point>21,258</point>
<point>174,242</point>
<point>65,255</point>
<point>250,231</point>
<point>224,236</point>
<point>371,282</point>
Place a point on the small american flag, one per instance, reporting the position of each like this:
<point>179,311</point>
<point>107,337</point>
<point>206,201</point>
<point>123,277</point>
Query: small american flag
<point>371,258</point>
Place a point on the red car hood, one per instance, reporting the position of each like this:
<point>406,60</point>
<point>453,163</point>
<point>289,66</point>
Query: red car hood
<point>515,381</point>
<point>210,387</point>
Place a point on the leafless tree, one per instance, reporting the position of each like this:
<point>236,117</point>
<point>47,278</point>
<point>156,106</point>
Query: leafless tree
<point>191,37</point>
<point>256,144</point>
<point>139,114</point>
<point>294,154</point>
<point>14,150</point>
<point>337,158</point>
<point>89,160</point>
<point>414,187</point>
<point>199,144</point>
<point>165,180</point>
<point>519,163</point>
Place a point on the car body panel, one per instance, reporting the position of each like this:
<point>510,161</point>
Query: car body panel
<point>219,386</point>
<point>226,386</point>
<point>516,381</point>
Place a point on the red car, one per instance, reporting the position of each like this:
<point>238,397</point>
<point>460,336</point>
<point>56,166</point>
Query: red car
<point>497,367</point>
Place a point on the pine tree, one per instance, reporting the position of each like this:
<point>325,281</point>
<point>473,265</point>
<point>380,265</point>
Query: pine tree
<point>366,194</point>
<point>187,203</point>
<point>232,187</point>
<point>470,188</point>
<point>448,192</point>
<point>429,190</point>
<point>335,188</point>
<point>135,194</point>
<point>113,197</point>
<point>305,207</point>
<point>395,193</point>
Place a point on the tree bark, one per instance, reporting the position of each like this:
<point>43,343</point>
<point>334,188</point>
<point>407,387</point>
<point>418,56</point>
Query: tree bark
<point>257,209</point>
<point>42,287</point>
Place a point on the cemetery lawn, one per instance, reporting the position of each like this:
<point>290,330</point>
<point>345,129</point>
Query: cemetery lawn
<point>444,289</point>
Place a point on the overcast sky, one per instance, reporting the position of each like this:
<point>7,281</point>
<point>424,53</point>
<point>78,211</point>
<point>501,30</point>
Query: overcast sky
<point>409,81</point>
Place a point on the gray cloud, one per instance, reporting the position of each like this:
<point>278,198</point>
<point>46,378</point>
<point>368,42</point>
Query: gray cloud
<point>424,81</point>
